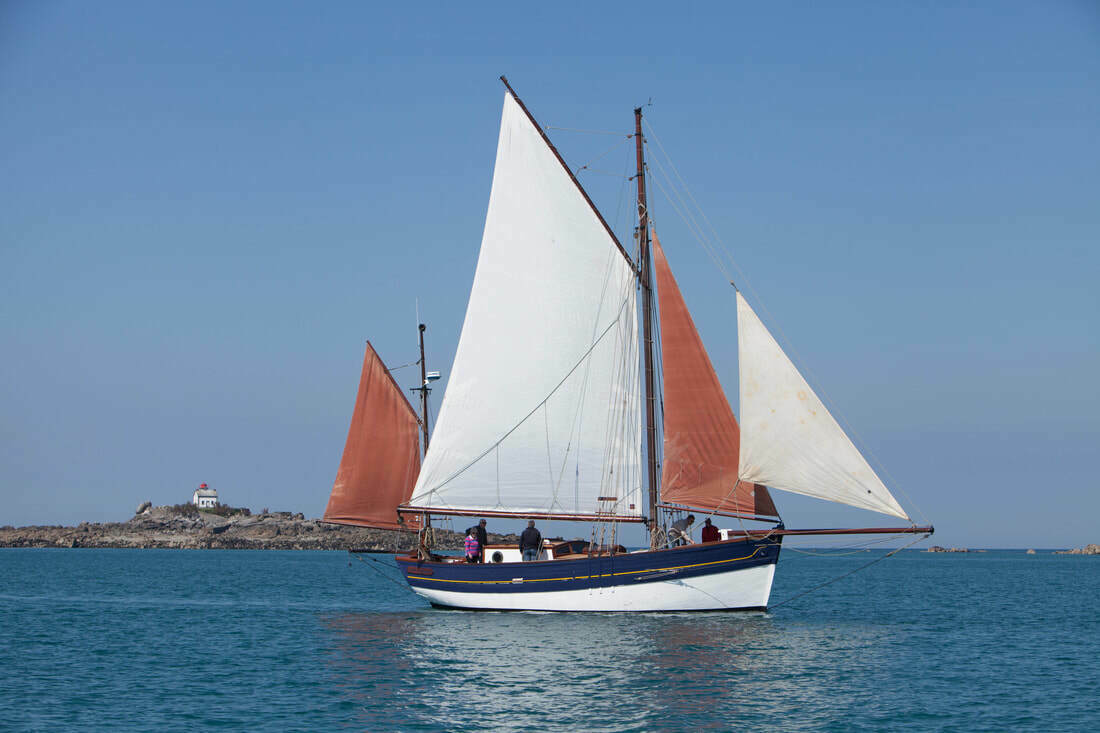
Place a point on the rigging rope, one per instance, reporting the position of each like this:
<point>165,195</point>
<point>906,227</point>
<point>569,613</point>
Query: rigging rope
<point>703,238</point>
<point>616,146</point>
<point>715,247</point>
<point>578,415</point>
<point>845,575</point>
<point>693,225</point>
<point>602,172</point>
<point>411,363</point>
<point>360,559</point>
<point>591,132</point>
<point>856,548</point>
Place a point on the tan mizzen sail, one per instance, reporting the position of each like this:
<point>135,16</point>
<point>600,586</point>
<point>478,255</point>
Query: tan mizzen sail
<point>702,439</point>
<point>381,457</point>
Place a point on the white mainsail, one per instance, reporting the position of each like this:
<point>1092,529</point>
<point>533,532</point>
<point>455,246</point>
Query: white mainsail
<point>542,410</point>
<point>789,440</point>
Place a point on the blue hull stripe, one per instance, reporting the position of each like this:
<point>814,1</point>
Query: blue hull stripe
<point>591,572</point>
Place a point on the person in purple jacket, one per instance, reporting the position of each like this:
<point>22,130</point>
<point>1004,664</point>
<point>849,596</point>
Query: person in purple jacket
<point>473,548</point>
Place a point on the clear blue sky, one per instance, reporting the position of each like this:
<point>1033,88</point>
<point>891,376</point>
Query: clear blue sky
<point>207,208</point>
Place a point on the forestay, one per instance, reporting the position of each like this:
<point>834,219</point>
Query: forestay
<point>702,439</point>
<point>789,440</point>
<point>542,409</point>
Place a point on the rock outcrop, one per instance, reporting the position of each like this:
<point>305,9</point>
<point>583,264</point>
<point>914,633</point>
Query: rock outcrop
<point>937,548</point>
<point>1086,550</point>
<point>181,528</point>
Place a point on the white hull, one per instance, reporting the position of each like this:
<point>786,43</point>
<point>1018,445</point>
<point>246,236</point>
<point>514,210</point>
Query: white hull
<point>747,588</point>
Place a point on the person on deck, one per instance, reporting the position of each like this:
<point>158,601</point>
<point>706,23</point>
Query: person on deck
<point>678,534</point>
<point>482,540</point>
<point>473,550</point>
<point>530,542</point>
<point>710,532</point>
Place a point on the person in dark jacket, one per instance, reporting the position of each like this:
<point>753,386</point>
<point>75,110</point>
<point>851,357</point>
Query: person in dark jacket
<point>530,542</point>
<point>710,532</point>
<point>482,538</point>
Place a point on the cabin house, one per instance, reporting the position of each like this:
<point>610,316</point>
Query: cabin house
<point>205,497</point>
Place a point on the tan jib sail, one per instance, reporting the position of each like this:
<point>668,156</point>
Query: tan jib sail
<point>702,438</point>
<point>791,442</point>
<point>381,457</point>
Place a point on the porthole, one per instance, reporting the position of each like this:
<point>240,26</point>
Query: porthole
<point>498,556</point>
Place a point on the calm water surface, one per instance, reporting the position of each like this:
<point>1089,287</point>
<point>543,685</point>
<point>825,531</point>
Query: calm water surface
<point>275,641</point>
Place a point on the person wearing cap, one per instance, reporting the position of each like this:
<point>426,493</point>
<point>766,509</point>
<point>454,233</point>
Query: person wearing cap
<point>678,533</point>
<point>530,542</point>
<point>482,540</point>
<point>710,532</point>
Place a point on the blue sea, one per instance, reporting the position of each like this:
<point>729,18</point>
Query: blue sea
<point>300,641</point>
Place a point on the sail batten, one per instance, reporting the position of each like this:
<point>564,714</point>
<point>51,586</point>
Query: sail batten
<point>381,456</point>
<point>701,435</point>
<point>789,440</point>
<point>540,415</point>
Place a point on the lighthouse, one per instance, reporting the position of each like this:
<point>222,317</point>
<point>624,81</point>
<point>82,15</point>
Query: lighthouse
<point>204,497</point>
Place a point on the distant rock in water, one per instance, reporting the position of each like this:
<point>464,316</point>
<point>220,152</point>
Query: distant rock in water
<point>937,548</point>
<point>1086,550</point>
<point>1031,552</point>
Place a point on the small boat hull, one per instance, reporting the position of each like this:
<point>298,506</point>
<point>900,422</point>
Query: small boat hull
<point>722,576</point>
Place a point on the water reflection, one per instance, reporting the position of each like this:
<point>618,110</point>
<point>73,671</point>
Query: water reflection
<point>444,670</point>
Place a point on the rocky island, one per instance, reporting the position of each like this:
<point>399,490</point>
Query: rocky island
<point>1086,550</point>
<point>184,526</point>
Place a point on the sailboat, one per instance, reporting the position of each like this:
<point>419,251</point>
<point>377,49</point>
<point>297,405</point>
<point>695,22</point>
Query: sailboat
<point>553,411</point>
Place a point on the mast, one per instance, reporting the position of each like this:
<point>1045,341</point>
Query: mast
<point>423,390</point>
<point>647,327</point>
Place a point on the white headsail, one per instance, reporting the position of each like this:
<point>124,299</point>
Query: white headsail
<point>542,410</point>
<point>789,440</point>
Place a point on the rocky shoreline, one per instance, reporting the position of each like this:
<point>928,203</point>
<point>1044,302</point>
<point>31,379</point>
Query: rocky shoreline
<point>1086,550</point>
<point>168,527</point>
